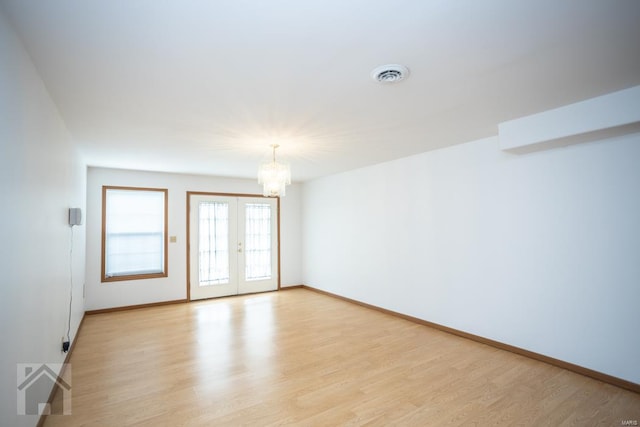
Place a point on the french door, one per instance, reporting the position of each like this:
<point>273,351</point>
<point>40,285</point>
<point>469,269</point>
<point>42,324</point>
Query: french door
<point>233,245</point>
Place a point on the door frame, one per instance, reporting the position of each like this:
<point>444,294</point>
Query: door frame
<point>205,193</point>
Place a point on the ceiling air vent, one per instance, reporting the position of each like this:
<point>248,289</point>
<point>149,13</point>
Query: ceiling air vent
<point>390,73</point>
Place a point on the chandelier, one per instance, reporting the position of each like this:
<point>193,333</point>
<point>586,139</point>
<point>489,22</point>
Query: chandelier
<point>274,176</point>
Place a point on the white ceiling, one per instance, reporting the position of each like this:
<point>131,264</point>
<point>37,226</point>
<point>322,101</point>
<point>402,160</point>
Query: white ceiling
<point>204,86</point>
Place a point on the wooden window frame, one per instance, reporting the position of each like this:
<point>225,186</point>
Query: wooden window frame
<point>165,272</point>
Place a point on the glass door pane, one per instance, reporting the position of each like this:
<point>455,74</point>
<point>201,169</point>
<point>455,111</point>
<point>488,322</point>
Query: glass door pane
<point>213,243</point>
<point>257,249</point>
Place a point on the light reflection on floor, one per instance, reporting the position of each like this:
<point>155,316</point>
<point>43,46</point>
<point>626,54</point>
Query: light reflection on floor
<point>232,336</point>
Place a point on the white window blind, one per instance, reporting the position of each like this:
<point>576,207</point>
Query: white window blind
<point>135,238</point>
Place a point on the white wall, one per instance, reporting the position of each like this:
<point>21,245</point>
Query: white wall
<point>118,294</point>
<point>40,178</point>
<point>540,250</point>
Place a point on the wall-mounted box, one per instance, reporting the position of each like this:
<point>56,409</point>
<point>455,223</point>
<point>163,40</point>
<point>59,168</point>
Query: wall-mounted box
<point>75,216</point>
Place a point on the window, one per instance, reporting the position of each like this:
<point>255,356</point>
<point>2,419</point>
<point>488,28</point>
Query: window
<point>134,233</point>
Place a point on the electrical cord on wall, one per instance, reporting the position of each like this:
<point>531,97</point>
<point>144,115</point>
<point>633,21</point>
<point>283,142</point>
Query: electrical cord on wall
<point>70,285</point>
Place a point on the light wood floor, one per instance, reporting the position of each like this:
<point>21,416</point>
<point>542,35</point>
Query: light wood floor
<point>298,357</point>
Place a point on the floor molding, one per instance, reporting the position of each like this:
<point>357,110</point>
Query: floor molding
<point>286,288</point>
<point>609,379</point>
<point>134,307</point>
<point>67,358</point>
